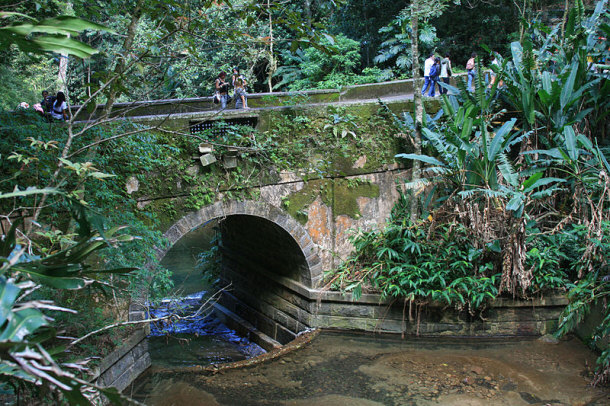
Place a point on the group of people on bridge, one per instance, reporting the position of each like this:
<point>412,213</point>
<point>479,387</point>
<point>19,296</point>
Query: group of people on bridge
<point>221,94</point>
<point>51,107</point>
<point>437,70</point>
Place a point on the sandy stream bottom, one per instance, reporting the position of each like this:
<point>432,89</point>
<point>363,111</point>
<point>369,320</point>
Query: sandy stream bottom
<point>352,370</point>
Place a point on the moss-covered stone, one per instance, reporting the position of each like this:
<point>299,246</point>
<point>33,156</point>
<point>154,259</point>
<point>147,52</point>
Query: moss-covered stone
<point>339,194</point>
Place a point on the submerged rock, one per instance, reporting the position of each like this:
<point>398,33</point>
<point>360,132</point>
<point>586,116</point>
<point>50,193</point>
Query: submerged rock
<point>332,400</point>
<point>549,339</point>
<point>180,393</point>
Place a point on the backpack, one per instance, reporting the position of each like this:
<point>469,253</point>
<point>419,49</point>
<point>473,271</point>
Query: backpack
<point>434,71</point>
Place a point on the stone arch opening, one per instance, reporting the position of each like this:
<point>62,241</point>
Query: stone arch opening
<point>270,263</point>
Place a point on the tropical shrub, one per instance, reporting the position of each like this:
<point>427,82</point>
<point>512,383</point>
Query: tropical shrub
<point>395,51</point>
<point>313,69</point>
<point>520,171</point>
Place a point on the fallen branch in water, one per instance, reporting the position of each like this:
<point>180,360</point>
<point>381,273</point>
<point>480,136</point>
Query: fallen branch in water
<point>299,342</point>
<point>205,306</point>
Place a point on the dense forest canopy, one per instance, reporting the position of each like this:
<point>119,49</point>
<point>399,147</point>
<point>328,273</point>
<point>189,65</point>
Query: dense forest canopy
<point>512,197</point>
<point>175,49</point>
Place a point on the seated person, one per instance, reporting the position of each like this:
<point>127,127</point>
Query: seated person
<point>59,109</point>
<point>47,101</point>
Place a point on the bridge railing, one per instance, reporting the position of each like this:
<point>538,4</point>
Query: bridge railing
<point>255,100</point>
<point>371,91</point>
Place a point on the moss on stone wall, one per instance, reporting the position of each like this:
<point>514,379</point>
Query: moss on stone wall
<point>346,194</point>
<point>340,194</point>
<point>321,142</point>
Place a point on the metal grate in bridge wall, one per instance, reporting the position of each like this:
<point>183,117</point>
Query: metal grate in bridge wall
<point>219,128</point>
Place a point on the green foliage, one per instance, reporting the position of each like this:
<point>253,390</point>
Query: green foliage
<point>24,327</point>
<point>395,51</point>
<point>312,69</point>
<point>49,35</point>
<point>462,29</point>
<point>531,186</point>
<point>404,261</point>
<point>590,292</point>
<point>209,263</point>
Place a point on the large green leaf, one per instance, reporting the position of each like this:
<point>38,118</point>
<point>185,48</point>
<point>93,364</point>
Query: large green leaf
<point>516,204</point>
<point>62,25</point>
<point>71,24</point>
<point>531,180</point>
<point>8,295</point>
<point>29,191</point>
<point>423,158</point>
<point>64,45</point>
<point>60,282</point>
<point>7,245</point>
<point>13,371</point>
<point>568,86</point>
<point>542,182</point>
<point>570,142</point>
<point>22,323</point>
<point>51,35</point>
<point>507,170</point>
<point>498,141</point>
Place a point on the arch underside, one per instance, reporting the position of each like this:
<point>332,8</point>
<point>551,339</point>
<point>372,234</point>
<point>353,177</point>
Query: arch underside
<point>268,262</point>
<point>309,276</point>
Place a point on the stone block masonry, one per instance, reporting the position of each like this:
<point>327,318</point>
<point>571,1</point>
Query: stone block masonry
<point>281,308</point>
<point>277,246</point>
<point>122,366</point>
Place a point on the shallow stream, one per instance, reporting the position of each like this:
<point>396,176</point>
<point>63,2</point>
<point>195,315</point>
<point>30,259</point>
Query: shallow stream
<point>366,370</point>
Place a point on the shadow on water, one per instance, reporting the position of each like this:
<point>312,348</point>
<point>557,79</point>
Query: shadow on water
<point>192,336</point>
<point>181,259</point>
<point>338,369</point>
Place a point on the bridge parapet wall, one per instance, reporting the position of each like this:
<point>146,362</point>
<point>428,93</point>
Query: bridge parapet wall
<point>206,104</point>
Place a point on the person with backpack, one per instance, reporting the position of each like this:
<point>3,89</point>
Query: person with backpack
<point>471,69</point>
<point>59,109</point>
<point>445,72</point>
<point>435,71</point>
<point>241,99</point>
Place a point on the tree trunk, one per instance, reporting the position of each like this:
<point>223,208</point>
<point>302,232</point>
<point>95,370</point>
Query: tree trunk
<point>119,68</point>
<point>62,76</point>
<point>271,68</point>
<point>307,10</point>
<point>417,106</point>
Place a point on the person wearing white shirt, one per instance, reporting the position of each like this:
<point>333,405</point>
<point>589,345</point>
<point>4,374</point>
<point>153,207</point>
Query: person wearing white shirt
<point>59,109</point>
<point>427,66</point>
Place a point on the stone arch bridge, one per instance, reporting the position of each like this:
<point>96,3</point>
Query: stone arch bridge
<point>275,264</point>
<point>275,256</point>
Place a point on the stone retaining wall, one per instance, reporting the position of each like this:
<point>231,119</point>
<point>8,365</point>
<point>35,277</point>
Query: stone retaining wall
<point>281,308</point>
<point>122,366</point>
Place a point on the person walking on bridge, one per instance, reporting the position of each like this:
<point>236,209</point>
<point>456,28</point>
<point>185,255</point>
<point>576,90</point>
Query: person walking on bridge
<point>445,72</point>
<point>241,99</point>
<point>222,89</point>
<point>471,69</point>
<point>427,66</point>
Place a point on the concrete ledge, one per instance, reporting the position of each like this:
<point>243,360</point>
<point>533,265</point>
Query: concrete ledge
<point>197,105</point>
